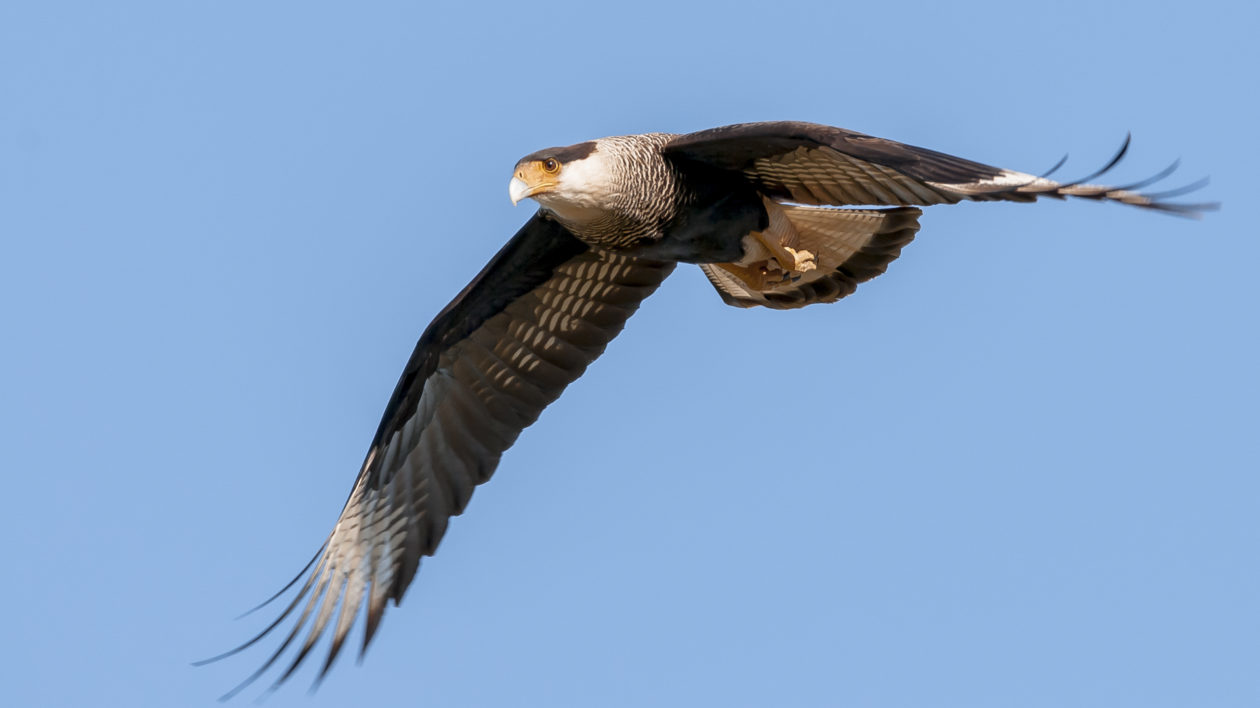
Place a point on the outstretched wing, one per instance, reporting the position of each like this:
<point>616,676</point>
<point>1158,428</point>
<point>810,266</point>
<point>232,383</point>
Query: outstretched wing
<point>821,165</point>
<point>525,328</point>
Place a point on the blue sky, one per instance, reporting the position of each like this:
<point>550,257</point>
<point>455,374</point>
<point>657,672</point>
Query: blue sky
<point>1020,469</point>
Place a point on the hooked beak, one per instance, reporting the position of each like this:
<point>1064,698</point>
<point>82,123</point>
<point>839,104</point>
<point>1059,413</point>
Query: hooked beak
<point>518,190</point>
<point>530,179</point>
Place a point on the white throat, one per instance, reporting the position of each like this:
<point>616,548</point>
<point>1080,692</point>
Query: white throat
<point>585,192</point>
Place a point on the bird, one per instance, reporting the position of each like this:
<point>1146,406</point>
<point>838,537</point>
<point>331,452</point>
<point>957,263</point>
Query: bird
<point>778,215</point>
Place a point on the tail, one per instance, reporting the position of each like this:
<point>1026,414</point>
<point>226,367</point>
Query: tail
<point>847,246</point>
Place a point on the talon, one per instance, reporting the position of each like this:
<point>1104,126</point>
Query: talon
<point>804,261</point>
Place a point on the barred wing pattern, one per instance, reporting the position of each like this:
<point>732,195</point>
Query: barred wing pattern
<point>821,165</point>
<point>851,247</point>
<point>472,398</point>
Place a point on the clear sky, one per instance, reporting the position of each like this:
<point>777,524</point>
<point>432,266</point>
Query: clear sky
<point>1021,469</point>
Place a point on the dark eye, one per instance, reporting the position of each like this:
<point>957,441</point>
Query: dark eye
<point>550,165</point>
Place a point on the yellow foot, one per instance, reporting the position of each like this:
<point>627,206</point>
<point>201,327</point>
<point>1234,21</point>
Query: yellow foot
<point>802,261</point>
<point>767,275</point>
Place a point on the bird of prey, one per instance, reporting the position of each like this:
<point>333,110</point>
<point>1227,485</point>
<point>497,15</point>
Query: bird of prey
<point>778,215</point>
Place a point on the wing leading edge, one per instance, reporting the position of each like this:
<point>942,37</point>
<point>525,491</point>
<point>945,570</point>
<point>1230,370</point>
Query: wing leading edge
<point>526,327</point>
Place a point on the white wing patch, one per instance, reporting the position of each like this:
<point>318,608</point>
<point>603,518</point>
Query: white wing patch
<point>485,390</point>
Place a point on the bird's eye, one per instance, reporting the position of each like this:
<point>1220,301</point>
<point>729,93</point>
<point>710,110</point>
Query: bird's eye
<point>550,165</point>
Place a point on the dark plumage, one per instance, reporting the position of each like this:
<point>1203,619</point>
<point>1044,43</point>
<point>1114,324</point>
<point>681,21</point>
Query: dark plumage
<point>756,205</point>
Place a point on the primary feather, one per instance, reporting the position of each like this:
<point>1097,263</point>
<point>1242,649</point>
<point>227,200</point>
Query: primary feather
<point>766,210</point>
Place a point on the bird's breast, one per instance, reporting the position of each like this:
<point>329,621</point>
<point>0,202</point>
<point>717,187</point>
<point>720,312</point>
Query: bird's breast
<point>709,228</point>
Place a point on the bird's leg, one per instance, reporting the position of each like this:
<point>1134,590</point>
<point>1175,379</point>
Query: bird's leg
<point>757,276</point>
<point>782,240</point>
<point>795,262</point>
<point>770,256</point>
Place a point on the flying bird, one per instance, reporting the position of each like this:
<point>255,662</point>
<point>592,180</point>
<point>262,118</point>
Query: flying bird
<point>778,215</point>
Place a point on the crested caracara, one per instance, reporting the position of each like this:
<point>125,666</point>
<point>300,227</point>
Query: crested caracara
<point>778,215</point>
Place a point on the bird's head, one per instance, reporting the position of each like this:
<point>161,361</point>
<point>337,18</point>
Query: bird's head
<point>570,181</point>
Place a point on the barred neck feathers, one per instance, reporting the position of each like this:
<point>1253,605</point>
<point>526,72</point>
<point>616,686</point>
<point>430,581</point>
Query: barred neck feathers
<point>620,194</point>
